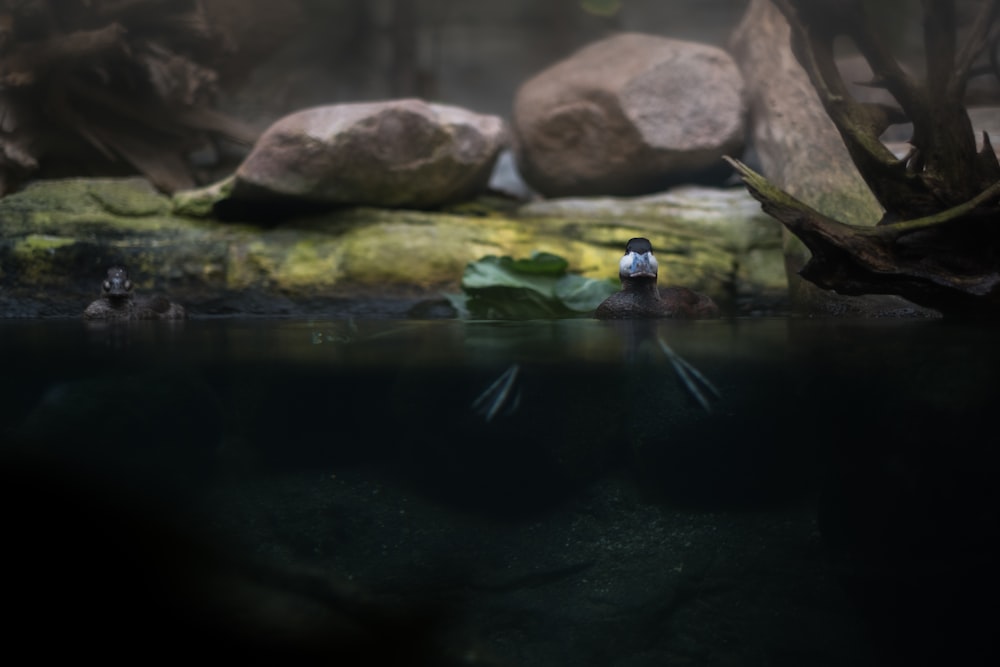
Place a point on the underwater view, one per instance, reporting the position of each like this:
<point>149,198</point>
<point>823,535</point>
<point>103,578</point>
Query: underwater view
<point>770,491</point>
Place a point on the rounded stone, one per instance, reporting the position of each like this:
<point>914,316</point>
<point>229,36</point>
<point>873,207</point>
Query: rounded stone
<point>628,115</point>
<point>398,153</point>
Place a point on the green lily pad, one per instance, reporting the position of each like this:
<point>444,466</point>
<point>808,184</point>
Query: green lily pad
<point>540,263</point>
<point>583,294</point>
<point>492,271</point>
<point>534,288</point>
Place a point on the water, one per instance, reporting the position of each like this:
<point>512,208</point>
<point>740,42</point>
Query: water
<point>524,493</point>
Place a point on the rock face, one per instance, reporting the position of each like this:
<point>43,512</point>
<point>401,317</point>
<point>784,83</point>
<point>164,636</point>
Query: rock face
<point>629,115</point>
<point>399,153</point>
<point>58,238</point>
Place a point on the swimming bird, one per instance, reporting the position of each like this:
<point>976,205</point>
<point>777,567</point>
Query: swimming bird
<point>117,302</point>
<point>639,297</point>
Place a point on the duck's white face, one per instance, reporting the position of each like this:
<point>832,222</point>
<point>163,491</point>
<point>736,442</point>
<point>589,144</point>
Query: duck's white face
<point>638,265</point>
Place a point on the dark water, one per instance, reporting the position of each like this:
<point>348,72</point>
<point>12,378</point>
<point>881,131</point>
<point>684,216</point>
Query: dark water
<point>814,493</point>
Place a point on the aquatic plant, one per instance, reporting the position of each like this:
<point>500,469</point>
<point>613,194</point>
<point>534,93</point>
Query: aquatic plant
<point>539,286</point>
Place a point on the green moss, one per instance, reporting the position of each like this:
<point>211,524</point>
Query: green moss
<point>131,197</point>
<point>483,207</point>
<point>764,268</point>
<point>249,264</point>
<point>41,243</point>
<point>384,253</point>
<point>91,207</point>
<point>854,208</point>
<point>200,203</point>
<point>310,263</point>
<point>39,258</point>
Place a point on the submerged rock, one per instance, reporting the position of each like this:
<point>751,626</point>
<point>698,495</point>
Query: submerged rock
<point>396,153</point>
<point>630,115</point>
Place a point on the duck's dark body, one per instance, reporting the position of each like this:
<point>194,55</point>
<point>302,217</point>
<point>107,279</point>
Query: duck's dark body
<point>118,303</point>
<point>677,302</point>
<point>639,297</point>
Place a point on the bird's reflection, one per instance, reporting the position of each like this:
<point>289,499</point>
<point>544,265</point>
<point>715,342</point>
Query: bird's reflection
<point>635,311</point>
<point>503,394</point>
<point>640,338</point>
<point>690,376</point>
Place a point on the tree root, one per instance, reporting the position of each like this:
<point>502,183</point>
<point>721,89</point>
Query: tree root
<point>948,261</point>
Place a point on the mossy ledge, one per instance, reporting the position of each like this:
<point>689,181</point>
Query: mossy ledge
<point>59,236</point>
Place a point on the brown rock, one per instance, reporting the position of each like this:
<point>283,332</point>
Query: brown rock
<point>400,153</point>
<point>629,115</point>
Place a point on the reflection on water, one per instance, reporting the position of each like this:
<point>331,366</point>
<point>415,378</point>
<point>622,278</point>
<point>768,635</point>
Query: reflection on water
<point>694,492</point>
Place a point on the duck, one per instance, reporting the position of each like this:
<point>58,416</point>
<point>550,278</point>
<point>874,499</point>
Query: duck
<point>117,302</point>
<point>639,297</point>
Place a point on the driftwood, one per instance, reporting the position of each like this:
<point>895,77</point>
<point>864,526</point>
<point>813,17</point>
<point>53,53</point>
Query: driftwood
<point>109,87</point>
<point>937,243</point>
<point>791,134</point>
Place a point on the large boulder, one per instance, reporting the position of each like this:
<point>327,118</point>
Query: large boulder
<point>629,115</point>
<point>398,153</point>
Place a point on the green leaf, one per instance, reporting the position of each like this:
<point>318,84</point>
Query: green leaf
<point>540,263</point>
<point>537,287</point>
<point>493,271</point>
<point>460,302</point>
<point>583,294</point>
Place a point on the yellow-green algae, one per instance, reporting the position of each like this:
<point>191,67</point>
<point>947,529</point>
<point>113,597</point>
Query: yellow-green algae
<point>37,255</point>
<point>200,202</point>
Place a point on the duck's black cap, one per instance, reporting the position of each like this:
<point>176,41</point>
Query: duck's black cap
<point>638,245</point>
